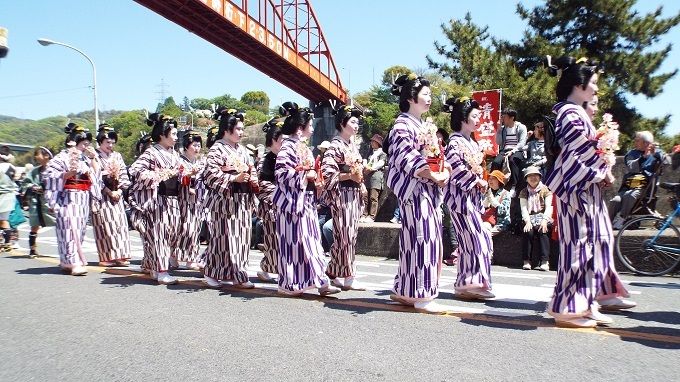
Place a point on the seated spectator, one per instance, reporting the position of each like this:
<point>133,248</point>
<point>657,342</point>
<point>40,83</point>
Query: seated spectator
<point>496,203</point>
<point>512,140</point>
<point>536,148</point>
<point>536,204</point>
<point>641,162</point>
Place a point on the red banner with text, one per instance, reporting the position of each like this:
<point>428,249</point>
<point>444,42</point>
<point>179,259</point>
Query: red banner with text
<point>489,103</point>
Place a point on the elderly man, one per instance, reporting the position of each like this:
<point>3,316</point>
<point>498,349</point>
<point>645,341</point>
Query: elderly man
<point>642,162</point>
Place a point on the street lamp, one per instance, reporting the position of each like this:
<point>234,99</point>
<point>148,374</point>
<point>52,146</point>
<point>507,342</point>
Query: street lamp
<point>46,42</point>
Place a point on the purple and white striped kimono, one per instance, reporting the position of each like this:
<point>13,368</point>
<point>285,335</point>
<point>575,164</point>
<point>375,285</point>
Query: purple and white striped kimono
<point>301,263</point>
<point>157,204</point>
<point>108,217</point>
<point>346,206</point>
<point>230,205</point>
<point>420,239</point>
<point>266,211</point>
<point>71,206</point>
<point>586,268</point>
<point>464,199</point>
<point>191,213</point>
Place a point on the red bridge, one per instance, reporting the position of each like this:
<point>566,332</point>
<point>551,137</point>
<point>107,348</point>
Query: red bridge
<point>282,39</point>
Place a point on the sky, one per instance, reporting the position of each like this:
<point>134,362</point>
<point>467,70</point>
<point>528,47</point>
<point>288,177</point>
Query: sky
<point>136,51</point>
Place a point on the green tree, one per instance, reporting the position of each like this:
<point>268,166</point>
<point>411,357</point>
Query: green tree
<point>129,125</point>
<point>200,103</point>
<point>611,32</point>
<point>257,100</point>
<point>169,107</point>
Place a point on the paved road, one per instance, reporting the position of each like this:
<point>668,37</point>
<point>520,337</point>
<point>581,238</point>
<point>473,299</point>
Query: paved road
<point>116,324</point>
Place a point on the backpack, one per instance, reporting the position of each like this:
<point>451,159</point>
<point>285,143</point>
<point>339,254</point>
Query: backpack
<point>552,144</point>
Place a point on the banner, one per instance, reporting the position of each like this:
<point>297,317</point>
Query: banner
<point>490,104</point>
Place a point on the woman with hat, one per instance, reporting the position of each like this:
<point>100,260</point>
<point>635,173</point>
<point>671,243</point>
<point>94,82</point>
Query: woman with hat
<point>301,263</point>
<point>230,198</point>
<point>536,205</point>
<point>266,210</point>
<point>374,172</point>
<point>343,181</point>
<point>156,183</point>
<point>191,201</point>
<point>33,186</point>
<point>108,217</point>
<point>71,182</point>
<point>586,277</point>
<point>496,203</point>
<point>463,195</point>
<point>418,190</point>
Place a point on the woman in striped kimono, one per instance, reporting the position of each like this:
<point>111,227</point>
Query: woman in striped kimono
<point>137,199</point>
<point>230,200</point>
<point>266,209</point>
<point>191,201</point>
<point>343,181</point>
<point>70,184</point>
<point>156,190</point>
<point>586,277</point>
<point>108,217</point>
<point>301,263</point>
<point>418,191</point>
<point>464,195</point>
<point>33,186</point>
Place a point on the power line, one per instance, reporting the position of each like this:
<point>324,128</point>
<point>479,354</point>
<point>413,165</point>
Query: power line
<point>43,93</point>
<point>162,91</point>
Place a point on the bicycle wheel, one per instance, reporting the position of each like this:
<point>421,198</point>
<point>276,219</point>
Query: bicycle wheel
<point>636,251</point>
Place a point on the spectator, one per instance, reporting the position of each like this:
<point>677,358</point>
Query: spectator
<point>536,148</point>
<point>8,189</point>
<point>642,162</point>
<point>496,203</point>
<point>536,203</point>
<point>373,172</point>
<point>512,140</point>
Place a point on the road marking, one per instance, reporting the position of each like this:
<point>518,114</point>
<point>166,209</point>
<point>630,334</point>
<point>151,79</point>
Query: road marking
<point>461,313</point>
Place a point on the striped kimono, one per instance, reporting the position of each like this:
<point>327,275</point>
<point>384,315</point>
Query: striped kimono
<point>586,267</point>
<point>420,239</point>
<point>267,212</point>
<point>230,205</point>
<point>191,213</point>
<point>464,199</point>
<point>346,205</point>
<point>155,193</point>
<point>70,200</point>
<point>108,217</point>
<point>301,263</point>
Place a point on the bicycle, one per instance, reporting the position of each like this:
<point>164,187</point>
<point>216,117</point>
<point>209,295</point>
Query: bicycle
<point>652,243</point>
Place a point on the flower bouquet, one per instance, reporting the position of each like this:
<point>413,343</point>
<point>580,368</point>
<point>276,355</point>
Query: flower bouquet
<point>306,160</point>
<point>430,147</point>
<point>74,159</point>
<point>111,179</point>
<point>607,139</point>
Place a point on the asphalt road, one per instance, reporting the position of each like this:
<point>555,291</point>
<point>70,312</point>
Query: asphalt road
<point>118,325</point>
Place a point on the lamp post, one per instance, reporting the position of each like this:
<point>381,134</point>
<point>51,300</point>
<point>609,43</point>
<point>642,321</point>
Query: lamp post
<point>46,42</point>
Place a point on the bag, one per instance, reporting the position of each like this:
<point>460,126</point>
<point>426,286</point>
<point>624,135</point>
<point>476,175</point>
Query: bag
<point>16,217</point>
<point>489,216</point>
<point>636,181</point>
<point>551,143</point>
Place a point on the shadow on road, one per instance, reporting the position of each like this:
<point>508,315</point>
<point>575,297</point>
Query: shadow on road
<point>665,317</point>
<point>52,270</point>
<point>650,336</point>
<point>655,285</point>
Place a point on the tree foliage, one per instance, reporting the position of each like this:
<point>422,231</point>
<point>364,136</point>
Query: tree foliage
<point>257,100</point>
<point>609,31</point>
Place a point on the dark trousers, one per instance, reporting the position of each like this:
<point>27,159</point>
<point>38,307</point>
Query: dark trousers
<point>371,202</point>
<point>528,243</point>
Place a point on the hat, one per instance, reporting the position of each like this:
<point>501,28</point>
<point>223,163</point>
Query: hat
<point>498,175</point>
<point>532,170</point>
<point>324,145</point>
<point>378,139</point>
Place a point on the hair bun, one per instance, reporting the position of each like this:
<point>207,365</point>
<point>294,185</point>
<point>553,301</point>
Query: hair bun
<point>449,105</point>
<point>220,112</point>
<point>287,108</point>
<point>153,118</point>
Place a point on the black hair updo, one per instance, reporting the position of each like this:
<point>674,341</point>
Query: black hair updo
<point>406,87</point>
